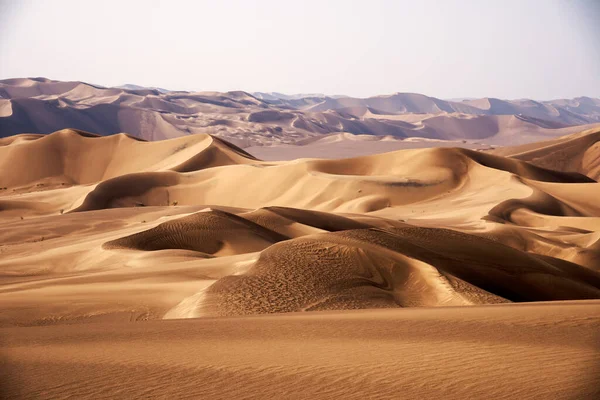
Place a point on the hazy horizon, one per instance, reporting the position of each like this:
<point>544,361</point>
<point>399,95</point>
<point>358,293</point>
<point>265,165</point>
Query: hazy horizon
<point>541,50</point>
<point>455,99</point>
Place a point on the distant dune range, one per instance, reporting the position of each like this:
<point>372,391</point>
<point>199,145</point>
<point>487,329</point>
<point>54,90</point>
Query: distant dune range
<point>264,121</point>
<point>188,267</point>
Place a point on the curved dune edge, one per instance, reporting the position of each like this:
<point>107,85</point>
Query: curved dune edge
<point>212,232</point>
<point>195,226</point>
<point>579,152</point>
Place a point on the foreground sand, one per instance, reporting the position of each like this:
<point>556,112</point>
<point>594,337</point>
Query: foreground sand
<point>525,351</point>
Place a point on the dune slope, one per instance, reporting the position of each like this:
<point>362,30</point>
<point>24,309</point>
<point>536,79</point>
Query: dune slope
<point>578,152</point>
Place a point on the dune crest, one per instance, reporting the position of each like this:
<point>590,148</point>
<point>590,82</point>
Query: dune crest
<point>579,152</point>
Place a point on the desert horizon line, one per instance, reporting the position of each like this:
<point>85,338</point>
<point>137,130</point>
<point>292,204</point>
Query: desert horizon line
<point>305,93</point>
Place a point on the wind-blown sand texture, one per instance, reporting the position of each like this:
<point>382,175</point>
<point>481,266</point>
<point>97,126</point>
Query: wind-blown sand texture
<point>533,351</point>
<point>364,267</point>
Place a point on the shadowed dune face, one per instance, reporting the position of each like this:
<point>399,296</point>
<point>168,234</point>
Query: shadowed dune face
<point>410,267</point>
<point>212,232</point>
<point>195,226</point>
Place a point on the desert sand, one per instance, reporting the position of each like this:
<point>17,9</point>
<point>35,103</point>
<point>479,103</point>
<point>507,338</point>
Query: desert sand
<point>191,268</point>
<point>579,152</point>
<point>534,350</point>
<point>40,105</point>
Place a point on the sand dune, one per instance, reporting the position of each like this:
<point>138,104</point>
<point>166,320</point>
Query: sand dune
<point>65,155</point>
<point>39,105</point>
<point>375,269</point>
<point>100,232</point>
<point>571,112</point>
<point>212,232</point>
<point>579,152</point>
<point>409,131</point>
<point>198,197</point>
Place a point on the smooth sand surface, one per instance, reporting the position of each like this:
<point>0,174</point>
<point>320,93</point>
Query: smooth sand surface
<point>533,351</point>
<point>579,152</point>
<point>345,145</point>
<point>360,264</point>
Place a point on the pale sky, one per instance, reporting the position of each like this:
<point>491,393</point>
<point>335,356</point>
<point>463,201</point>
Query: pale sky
<point>540,49</point>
